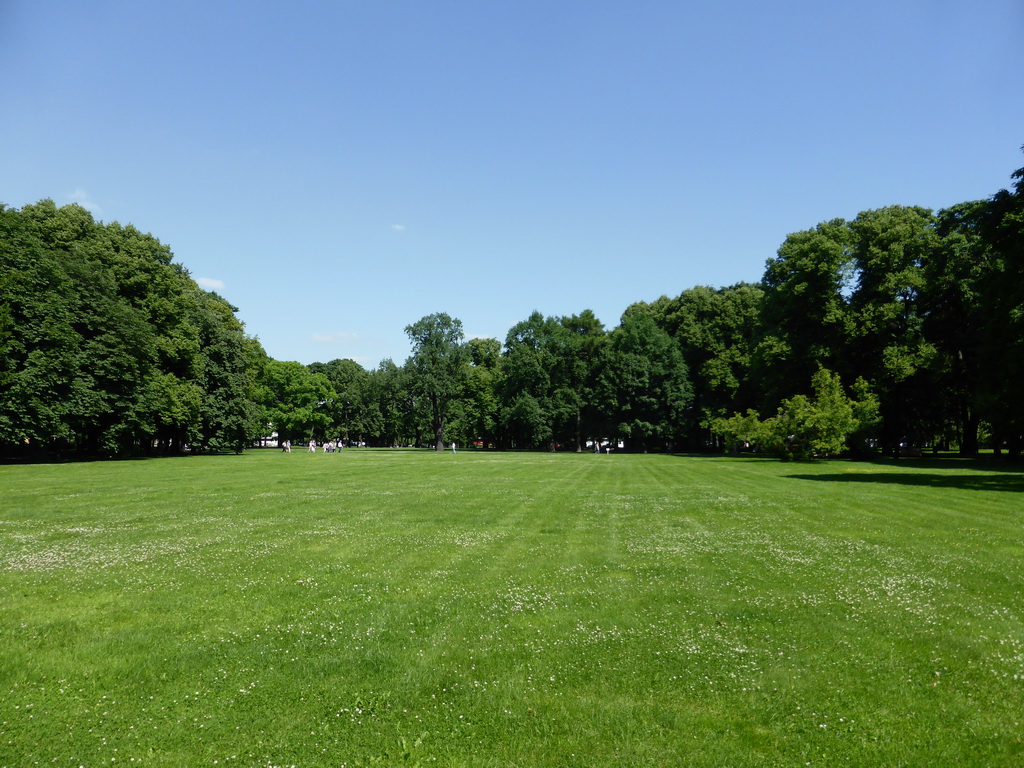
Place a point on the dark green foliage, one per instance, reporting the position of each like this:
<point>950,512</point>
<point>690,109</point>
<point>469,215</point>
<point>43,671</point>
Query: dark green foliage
<point>889,347</point>
<point>644,388</point>
<point>916,315</point>
<point>899,330</point>
<point>549,371</point>
<point>389,405</point>
<point>957,274</point>
<point>349,407</point>
<point>716,330</point>
<point>805,315</point>
<point>108,348</point>
<point>475,415</point>
<point>804,427</point>
<point>231,420</point>
<point>297,402</point>
<point>581,352</point>
<point>437,368</point>
<point>1003,346</point>
<point>534,404</point>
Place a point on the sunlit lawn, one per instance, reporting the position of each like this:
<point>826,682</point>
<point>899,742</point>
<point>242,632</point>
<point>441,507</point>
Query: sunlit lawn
<point>510,609</point>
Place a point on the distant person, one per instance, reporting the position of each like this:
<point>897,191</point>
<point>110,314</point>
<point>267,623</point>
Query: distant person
<point>312,446</point>
<point>453,447</point>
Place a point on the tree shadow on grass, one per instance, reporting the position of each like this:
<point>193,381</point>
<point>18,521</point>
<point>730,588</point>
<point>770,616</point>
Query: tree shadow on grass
<point>72,457</point>
<point>1005,482</point>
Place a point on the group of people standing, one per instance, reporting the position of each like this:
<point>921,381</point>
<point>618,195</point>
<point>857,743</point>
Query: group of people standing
<point>329,447</point>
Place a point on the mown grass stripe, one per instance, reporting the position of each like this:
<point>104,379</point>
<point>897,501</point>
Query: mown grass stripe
<point>380,607</point>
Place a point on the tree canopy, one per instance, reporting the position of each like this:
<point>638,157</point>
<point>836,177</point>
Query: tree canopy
<point>110,348</point>
<point>898,331</point>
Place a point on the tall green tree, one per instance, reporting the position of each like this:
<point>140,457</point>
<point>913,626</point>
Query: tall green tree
<point>389,404</point>
<point>476,412</point>
<point>40,342</point>
<point>527,365</point>
<point>644,387</point>
<point>297,401</point>
<point>80,356</point>
<point>350,414</point>
<point>169,301</point>
<point>579,354</point>
<point>1003,349</point>
<point>549,370</point>
<point>890,248</point>
<point>716,330</point>
<point>956,318</point>
<point>231,419</point>
<point>805,314</point>
<point>113,347</point>
<point>113,364</point>
<point>436,363</point>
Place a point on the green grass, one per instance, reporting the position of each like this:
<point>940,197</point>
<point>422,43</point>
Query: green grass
<point>509,609</point>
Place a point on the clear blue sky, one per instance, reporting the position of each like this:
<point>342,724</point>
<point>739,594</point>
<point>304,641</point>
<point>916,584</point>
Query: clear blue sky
<point>338,170</point>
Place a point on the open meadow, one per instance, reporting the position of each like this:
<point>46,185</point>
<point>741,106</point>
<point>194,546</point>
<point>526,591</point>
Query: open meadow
<point>510,609</point>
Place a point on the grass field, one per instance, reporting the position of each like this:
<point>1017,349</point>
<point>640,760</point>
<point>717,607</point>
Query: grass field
<point>510,609</point>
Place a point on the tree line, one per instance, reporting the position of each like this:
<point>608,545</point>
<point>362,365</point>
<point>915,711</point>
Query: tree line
<point>898,331</point>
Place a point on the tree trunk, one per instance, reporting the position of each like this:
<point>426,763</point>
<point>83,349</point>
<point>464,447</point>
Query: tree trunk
<point>969,442</point>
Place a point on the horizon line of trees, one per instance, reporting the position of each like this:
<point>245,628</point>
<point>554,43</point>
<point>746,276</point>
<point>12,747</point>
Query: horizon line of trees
<point>897,331</point>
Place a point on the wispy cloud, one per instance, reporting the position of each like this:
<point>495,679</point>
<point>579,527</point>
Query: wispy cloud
<point>82,198</point>
<point>398,227</point>
<point>210,284</point>
<point>335,338</point>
